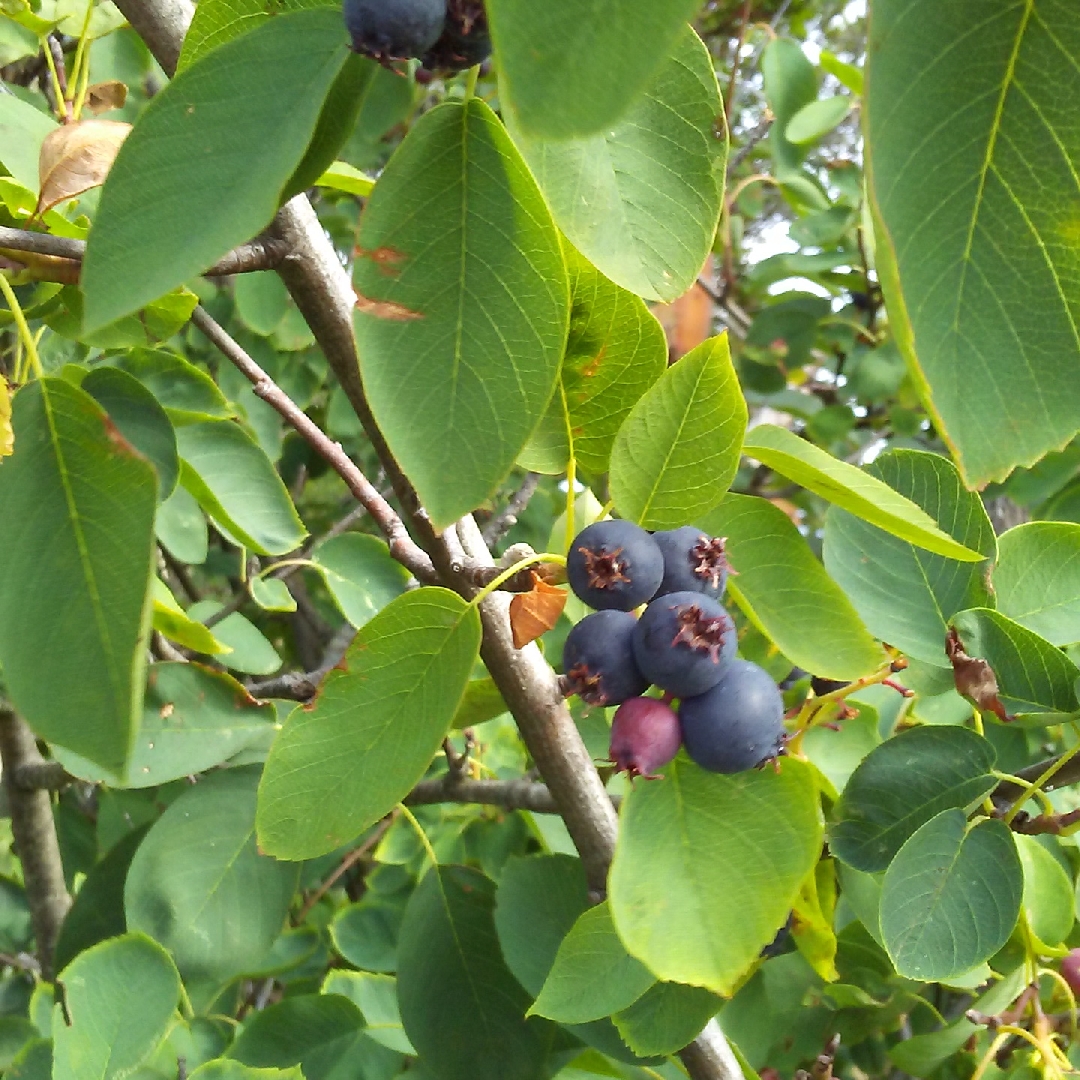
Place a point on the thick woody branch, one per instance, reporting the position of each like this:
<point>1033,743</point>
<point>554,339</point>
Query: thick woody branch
<point>262,253</point>
<point>36,844</point>
<point>402,546</point>
<point>162,24</point>
<point>1068,774</point>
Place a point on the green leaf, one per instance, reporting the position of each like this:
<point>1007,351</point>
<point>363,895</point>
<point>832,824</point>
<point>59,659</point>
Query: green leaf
<point>677,452</point>
<point>906,594</point>
<point>846,74</point>
<point>481,701</point>
<point>33,1062</point>
<point>261,299</point>
<point>666,1018</point>
<point>852,489</point>
<point>271,594</point>
<point>173,622</point>
<point>951,897</point>
<point>901,785</point>
<point>139,419</point>
<point>817,119</point>
<point>641,199</point>
<point>119,998</point>
<point>975,256</point>
<point>1048,893</point>
<point>337,768</point>
<point>1037,579</point>
<point>186,392</point>
<point>98,910</point>
<point>341,176</point>
<point>570,68</point>
<point>449,952</point>
<point>156,321</point>
<point>199,885</point>
<point>76,531</point>
<point>247,649</point>
<point>181,528</point>
<point>361,574</point>
<point>616,350</point>
<point>790,85</point>
<point>224,1069</point>
<point>463,304</point>
<point>376,997</point>
<point>712,840</point>
<point>236,484</point>
<point>1033,677</point>
<point>593,974</point>
<point>193,719</point>
<point>219,21</point>
<point>217,148</point>
<point>22,131</point>
<point>366,933</point>
<point>785,592</point>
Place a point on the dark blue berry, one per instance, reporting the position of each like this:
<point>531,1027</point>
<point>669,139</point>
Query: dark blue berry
<point>693,562</point>
<point>614,564</point>
<point>598,659</point>
<point>645,736</point>
<point>394,29</point>
<point>465,40</point>
<point>736,725</point>
<point>684,642</point>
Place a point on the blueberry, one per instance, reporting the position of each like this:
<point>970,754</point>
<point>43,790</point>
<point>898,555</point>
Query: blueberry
<point>465,41</point>
<point>693,562</point>
<point>614,564</point>
<point>645,736</point>
<point>394,29</point>
<point>598,659</point>
<point>736,725</point>
<point>684,642</point>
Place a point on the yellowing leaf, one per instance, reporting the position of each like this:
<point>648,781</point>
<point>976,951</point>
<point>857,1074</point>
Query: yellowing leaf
<point>76,158</point>
<point>7,435</point>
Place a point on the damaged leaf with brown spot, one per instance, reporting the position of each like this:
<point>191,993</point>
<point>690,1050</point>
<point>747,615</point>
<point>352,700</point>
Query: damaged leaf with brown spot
<point>974,678</point>
<point>103,96</point>
<point>76,158</point>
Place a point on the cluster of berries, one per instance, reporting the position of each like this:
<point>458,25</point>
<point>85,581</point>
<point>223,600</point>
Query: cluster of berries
<point>730,715</point>
<point>445,35</point>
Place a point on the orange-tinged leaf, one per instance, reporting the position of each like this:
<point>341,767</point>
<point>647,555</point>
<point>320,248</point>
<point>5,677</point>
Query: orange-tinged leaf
<point>536,612</point>
<point>76,158</point>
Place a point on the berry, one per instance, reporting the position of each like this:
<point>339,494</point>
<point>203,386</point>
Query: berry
<point>598,659</point>
<point>645,736</point>
<point>693,562</point>
<point>465,41</point>
<point>736,725</point>
<point>614,564</point>
<point>394,29</point>
<point>1070,970</point>
<point>684,642</point>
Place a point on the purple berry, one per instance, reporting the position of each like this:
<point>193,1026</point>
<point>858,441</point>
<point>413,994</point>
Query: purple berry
<point>465,41</point>
<point>736,725</point>
<point>1070,970</point>
<point>598,659</point>
<point>394,29</point>
<point>614,564</point>
<point>645,736</point>
<point>693,562</point>
<point>684,643</point>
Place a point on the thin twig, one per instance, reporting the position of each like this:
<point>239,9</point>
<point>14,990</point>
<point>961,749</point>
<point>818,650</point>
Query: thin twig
<point>402,546</point>
<point>349,861</point>
<point>744,21</point>
<point>502,523</point>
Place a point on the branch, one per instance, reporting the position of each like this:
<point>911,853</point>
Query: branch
<point>509,794</point>
<point>402,546</point>
<point>35,838</point>
<point>262,253</point>
<point>502,523</point>
<point>1067,775</point>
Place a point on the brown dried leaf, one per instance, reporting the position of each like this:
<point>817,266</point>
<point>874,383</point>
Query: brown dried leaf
<point>7,435</point>
<point>76,158</point>
<point>103,96</point>
<point>974,678</point>
<point>536,612</point>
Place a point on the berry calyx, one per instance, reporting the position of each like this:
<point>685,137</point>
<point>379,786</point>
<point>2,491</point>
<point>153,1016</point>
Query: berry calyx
<point>693,562</point>
<point>465,40</point>
<point>684,642</point>
<point>614,565</point>
<point>645,736</point>
<point>598,659</point>
<point>736,725</point>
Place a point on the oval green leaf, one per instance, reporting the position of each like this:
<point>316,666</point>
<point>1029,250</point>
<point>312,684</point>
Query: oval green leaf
<point>817,119</point>
<point>677,452</point>
<point>852,489</point>
<point>1048,893</point>
<point>361,574</point>
<point>462,306</point>
<point>712,840</point>
<point>785,592</point>
<point>76,532</point>
<point>337,768</point>
<point>186,392</point>
<point>1037,579</point>
<point>951,897</point>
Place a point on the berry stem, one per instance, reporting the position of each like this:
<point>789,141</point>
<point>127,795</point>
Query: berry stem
<point>491,586</point>
<point>470,81</point>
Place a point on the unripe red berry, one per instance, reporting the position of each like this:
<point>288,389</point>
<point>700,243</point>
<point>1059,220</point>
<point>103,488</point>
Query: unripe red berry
<point>645,736</point>
<point>1070,970</point>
